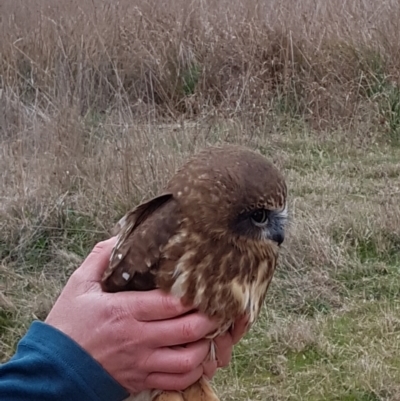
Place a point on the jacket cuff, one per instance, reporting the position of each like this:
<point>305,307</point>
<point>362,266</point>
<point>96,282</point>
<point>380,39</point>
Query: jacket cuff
<point>73,363</point>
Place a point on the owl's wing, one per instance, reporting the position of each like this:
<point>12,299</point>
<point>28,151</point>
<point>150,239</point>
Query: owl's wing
<point>142,234</point>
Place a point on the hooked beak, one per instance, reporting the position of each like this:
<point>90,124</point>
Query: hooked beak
<point>278,237</point>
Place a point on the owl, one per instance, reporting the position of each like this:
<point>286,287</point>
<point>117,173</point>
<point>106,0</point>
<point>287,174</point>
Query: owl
<point>211,238</point>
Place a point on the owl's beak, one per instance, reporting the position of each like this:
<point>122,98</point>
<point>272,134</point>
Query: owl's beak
<point>278,237</point>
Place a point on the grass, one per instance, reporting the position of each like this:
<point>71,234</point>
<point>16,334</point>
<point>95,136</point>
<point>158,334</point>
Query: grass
<point>100,102</point>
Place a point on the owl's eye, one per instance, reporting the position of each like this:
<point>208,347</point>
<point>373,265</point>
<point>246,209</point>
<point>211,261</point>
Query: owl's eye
<point>259,217</point>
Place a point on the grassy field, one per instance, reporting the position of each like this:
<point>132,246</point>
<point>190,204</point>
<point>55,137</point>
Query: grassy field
<point>100,101</point>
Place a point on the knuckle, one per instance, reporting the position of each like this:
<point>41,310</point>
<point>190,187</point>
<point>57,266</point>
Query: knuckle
<point>98,248</point>
<point>101,246</point>
<point>188,332</point>
<point>77,280</point>
<point>140,309</point>
<point>187,364</point>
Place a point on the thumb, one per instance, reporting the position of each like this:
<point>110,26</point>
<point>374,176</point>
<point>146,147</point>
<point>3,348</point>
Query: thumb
<point>97,261</point>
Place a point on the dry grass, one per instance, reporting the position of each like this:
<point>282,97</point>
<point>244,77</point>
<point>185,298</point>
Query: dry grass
<point>101,101</point>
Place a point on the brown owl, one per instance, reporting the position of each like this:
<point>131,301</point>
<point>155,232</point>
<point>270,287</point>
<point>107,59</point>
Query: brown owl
<point>211,238</point>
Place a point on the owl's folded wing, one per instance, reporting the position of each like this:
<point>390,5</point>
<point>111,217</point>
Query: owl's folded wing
<point>143,232</point>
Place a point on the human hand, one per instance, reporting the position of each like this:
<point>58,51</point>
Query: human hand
<point>224,346</point>
<point>144,340</point>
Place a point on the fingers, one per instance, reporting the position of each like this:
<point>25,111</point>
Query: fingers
<point>239,329</point>
<point>223,348</point>
<point>173,381</point>
<point>178,359</point>
<point>181,330</point>
<point>153,305</point>
<point>96,262</point>
<point>209,368</point>
<point>225,342</point>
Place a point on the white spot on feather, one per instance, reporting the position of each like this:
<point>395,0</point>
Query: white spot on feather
<point>178,289</point>
<point>119,256</point>
<point>126,276</point>
<point>213,351</point>
<point>237,291</point>
<point>122,222</point>
<point>199,295</point>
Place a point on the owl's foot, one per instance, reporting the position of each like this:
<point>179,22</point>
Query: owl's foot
<point>169,396</point>
<point>199,391</point>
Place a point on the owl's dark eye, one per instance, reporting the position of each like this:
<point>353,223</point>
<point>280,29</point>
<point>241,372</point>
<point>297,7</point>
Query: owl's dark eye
<point>259,217</point>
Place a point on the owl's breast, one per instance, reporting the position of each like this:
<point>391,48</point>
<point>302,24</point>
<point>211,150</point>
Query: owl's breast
<point>219,279</point>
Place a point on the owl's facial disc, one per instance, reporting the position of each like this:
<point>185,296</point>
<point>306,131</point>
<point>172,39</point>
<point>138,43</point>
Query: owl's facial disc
<point>263,224</point>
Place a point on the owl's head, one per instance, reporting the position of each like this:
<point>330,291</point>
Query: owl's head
<point>232,192</point>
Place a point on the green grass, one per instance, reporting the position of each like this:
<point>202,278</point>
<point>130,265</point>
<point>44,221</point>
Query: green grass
<point>6,321</point>
<point>350,355</point>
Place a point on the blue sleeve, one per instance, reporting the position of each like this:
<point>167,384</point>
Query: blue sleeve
<point>49,366</point>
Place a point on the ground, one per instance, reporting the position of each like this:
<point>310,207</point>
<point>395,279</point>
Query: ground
<point>79,147</point>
